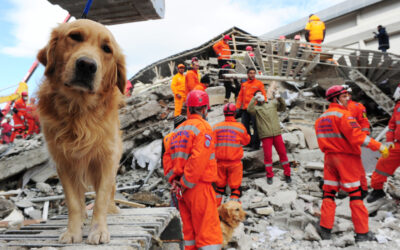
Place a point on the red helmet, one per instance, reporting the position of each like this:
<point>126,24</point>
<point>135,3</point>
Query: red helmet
<point>229,109</point>
<point>24,93</point>
<point>197,98</point>
<point>227,37</point>
<point>334,91</point>
<point>249,48</point>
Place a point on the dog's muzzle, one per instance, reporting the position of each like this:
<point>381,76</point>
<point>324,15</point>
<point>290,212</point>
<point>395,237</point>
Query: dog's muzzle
<point>85,71</point>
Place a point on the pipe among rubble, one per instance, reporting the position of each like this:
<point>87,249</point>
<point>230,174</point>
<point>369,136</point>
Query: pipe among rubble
<point>260,77</point>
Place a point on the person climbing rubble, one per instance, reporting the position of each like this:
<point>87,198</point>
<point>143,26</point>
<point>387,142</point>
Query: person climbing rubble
<point>190,156</point>
<point>230,136</point>
<point>6,130</point>
<point>269,131</point>
<point>340,137</point>
<point>315,31</point>
<point>222,50</point>
<point>387,167</point>
<point>178,87</point>
<point>192,80</point>
<point>246,93</point>
<point>19,116</point>
<point>359,112</point>
<point>32,117</point>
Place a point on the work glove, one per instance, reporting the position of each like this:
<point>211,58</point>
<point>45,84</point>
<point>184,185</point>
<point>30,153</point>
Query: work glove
<point>390,145</point>
<point>384,151</point>
<point>177,189</point>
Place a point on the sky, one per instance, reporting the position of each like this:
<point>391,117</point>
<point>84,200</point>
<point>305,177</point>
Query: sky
<point>25,27</point>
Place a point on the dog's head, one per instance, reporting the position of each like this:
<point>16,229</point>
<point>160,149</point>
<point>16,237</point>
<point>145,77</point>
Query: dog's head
<point>232,212</point>
<point>83,56</point>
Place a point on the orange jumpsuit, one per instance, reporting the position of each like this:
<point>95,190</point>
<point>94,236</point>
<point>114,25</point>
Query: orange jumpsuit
<point>32,119</point>
<point>386,167</point>
<point>19,119</point>
<point>222,50</point>
<point>359,112</point>
<point>190,158</point>
<point>230,136</point>
<point>178,88</point>
<point>340,137</point>
<point>316,30</point>
<point>192,81</point>
<point>247,91</point>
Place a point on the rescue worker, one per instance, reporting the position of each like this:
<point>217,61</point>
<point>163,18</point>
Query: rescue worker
<point>222,50</point>
<point>386,167</point>
<point>192,80</point>
<point>178,88</point>
<point>230,136</point>
<point>383,38</point>
<point>359,112</point>
<point>246,93</point>
<point>269,131</point>
<point>128,88</point>
<point>32,117</point>
<point>19,116</point>
<point>315,31</point>
<point>178,120</point>
<point>190,154</point>
<point>340,137</point>
<point>6,130</point>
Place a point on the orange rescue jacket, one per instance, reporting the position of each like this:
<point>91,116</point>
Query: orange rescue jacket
<point>316,28</point>
<point>338,132</point>
<point>190,153</point>
<point>230,136</point>
<point>20,105</point>
<point>393,135</point>
<point>193,82</point>
<point>359,112</point>
<point>178,85</point>
<point>222,50</point>
<point>247,91</point>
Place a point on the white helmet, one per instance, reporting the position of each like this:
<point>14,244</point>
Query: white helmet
<point>396,94</point>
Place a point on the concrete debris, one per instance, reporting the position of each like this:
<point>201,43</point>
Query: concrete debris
<point>280,216</point>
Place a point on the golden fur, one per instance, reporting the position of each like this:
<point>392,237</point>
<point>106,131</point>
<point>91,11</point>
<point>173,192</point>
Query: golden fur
<point>231,214</point>
<point>80,120</point>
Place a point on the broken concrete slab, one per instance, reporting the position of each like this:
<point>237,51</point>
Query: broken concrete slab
<point>282,198</point>
<point>311,233</point>
<point>314,165</point>
<point>264,210</point>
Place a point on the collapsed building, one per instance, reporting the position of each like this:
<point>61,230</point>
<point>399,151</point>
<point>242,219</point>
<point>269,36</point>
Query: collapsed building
<point>280,216</point>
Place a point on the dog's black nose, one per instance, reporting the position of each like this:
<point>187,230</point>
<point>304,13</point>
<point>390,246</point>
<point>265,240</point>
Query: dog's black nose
<point>86,65</point>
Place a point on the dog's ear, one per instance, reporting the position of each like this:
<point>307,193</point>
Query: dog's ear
<point>46,56</point>
<point>121,73</point>
<point>223,212</point>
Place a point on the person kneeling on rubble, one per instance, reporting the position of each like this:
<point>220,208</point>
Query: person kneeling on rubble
<point>386,167</point>
<point>340,138</point>
<point>190,156</point>
<point>269,131</point>
<point>230,136</point>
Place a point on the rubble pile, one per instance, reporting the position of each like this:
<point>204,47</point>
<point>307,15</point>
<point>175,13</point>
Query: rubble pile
<point>280,216</point>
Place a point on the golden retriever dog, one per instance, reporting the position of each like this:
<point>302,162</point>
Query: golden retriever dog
<point>231,214</point>
<point>78,105</point>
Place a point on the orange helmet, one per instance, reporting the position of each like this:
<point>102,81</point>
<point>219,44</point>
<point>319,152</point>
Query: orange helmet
<point>181,66</point>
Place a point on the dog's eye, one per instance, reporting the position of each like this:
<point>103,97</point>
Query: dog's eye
<point>76,37</point>
<point>106,48</point>
<point>237,209</point>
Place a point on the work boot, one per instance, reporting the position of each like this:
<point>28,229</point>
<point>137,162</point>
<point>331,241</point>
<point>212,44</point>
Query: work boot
<point>288,179</point>
<point>269,180</point>
<point>375,195</point>
<point>324,232</point>
<point>364,193</point>
<point>365,237</point>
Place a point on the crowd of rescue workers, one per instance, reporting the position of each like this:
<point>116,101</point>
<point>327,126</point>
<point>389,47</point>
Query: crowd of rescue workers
<point>200,161</point>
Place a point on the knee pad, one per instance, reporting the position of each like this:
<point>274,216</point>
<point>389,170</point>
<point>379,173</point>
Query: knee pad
<point>329,195</point>
<point>236,194</point>
<point>355,194</point>
<point>220,190</point>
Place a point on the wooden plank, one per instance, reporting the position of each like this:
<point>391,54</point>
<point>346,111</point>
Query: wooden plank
<point>342,61</point>
<point>305,56</point>
<point>260,62</point>
<point>268,47</point>
<point>293,53</point>
<point>240,68</point>
<point>393,70</point>
<point>281,53</point>
<point>363,61</point>
<point>234,43</point>
<point>353,59</point>
<point>310,66</point>
<point>376,58</point>
<point>248,61</point>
